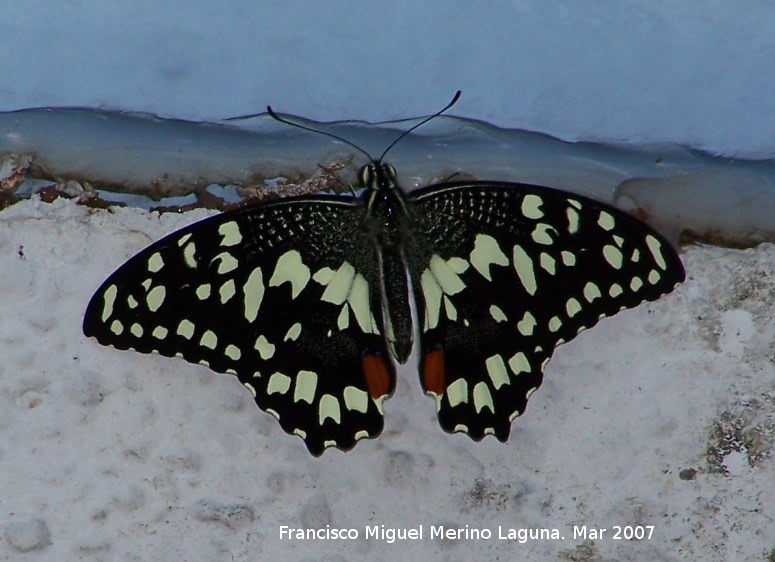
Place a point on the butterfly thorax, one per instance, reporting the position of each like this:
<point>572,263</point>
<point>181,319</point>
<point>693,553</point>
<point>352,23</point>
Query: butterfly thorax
<point>388,224</point>
<point>386,217</point>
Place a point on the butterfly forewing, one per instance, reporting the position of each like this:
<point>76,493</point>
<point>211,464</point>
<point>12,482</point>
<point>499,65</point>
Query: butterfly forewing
<point>502,273</point>
<point>284,295</point>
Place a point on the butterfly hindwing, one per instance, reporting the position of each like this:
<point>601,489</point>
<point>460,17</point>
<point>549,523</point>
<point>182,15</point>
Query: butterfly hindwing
<point>285,295</point>
<point>503,273</point>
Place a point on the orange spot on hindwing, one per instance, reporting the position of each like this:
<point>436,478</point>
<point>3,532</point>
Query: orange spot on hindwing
<point>434,372</point>
<point>377,375</point>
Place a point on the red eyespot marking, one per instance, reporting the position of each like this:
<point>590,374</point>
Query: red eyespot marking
<point>434,372</point>
<point>377,375</point>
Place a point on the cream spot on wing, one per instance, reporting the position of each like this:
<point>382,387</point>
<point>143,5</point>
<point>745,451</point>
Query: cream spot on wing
<point>227,291</point>
<point>548,263</point>
<point>613,256</point>
<point>457,392</point>
<point>497,314</point>
<point>573,221</point>
<point>278,384</point>
<point>264,348</point>
<point>606,221</point>
<point>362,434</point>
<point>155,263</point>
<point>519,364</point>
<point>458,265</point>
<point>254,294</point>
<point>130,300</point>
<point>482,397</point>
<point>654,277</point>
<point>306,385</point>
<point>615,290</point>
<point>343,322</point>
<point>328,408</point>
<point>460,428</point>
<point>293,333</point>
<point>591,291</point>
<point>378,403</point>
<point>618,240</point>
<point>572,307</point>
<point>232,352</point>
<point>231,234</point>
<point>117,327</point>
<point>524,267</point>
<point>527,324</point>
<point>655,247</point>
<point>108,299</point>
<point>251,388</point>
<point>450,309</point>
<point>189,255</point>
<point>542,234</point>
<point>146,284</point>
<point>185,329</point>
<point>228,263</point>
<point>356,399</point>
<point>183,239</point>
<point>160,332</point>
<point>358,300</point>
<point>203,291</point>
<point>636,284</point>
<point>445,276</point>
<point>290,268</point>
<point>531,206</point>
<point>300,432</point>
<point>324,276</point>
<point>209,340</point>
<point>496,369</point>
<point>555,324</point>
<point>136,330</point>
<point>485,253</point>
<point>155,298</point>
<point>339,287</point>
<point>432,293</point>
<point>568,258</point>
<point>635,255</point>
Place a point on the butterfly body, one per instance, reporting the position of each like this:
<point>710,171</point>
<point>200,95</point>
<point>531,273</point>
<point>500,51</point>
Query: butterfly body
<point>306,299</point>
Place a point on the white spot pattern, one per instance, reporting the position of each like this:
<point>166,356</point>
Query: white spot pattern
<point>496,369</point>
<point>328,408</point>
<point>524,267</point>
<point>531,206</point>
<point>155,262</point>
<point>108,298</point>
<point>253,292</point>
<point>290,269</point>
<point>485,253</point>
<point>457,392</point>
<point>231,234</point>
<point>306,385</point>
<point>483,398</point>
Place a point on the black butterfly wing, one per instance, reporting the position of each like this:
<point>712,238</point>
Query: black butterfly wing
<point>503,273</point>
<point>285,295</point>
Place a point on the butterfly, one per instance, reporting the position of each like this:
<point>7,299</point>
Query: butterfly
<point>307,299</point>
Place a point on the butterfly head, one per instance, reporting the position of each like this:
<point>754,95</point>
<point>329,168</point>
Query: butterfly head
<point>377,176</point>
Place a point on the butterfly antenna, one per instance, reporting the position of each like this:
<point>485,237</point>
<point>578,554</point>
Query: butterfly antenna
<point>452,102</point>
<point>276,117</point>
